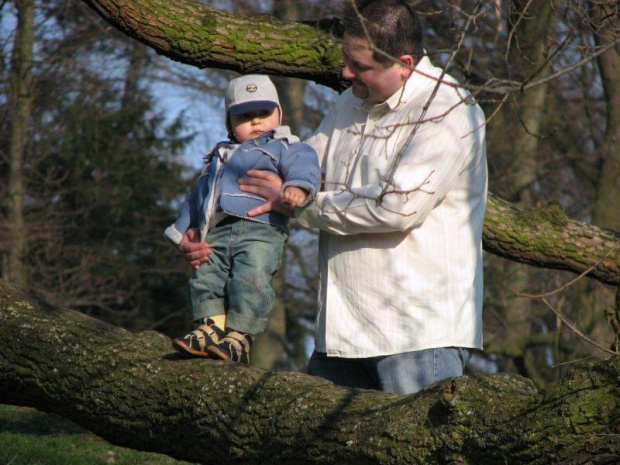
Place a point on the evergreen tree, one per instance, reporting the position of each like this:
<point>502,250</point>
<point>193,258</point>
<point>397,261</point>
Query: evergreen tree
<point>102,172</point>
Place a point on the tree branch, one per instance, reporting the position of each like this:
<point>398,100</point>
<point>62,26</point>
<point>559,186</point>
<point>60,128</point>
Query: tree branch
<point>195,34</point>
<point>545,237</point>
<point>132,390</point>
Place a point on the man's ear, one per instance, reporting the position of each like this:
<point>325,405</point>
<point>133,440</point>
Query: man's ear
<point>407,64</point>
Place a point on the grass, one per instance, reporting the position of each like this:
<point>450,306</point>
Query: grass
<point>30,437</point>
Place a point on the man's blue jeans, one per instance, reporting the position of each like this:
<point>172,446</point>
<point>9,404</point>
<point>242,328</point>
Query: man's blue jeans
<point>404,373</point>
<point>236,280</point>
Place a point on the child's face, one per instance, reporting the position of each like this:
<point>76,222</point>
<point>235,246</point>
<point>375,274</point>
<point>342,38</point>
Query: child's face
<point>250,125</point>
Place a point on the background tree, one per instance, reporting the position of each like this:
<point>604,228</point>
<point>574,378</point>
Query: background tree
<point>528,25</point>
<point>97,172</point>
<point>284,344</point>
<point>19,111</point>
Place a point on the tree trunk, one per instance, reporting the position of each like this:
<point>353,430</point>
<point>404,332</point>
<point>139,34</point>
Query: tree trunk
<point>134,391</point>
<point>608,191</point>
<point>530,24</point>
<point>291,91</point>
<point>20,104</point>
<point>605,210</point>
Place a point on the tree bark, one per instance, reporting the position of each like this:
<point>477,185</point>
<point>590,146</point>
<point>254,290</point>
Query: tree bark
<point>532,34</point>
<point>547,238</point>
<point>195,34</point>
<point>132,390</point>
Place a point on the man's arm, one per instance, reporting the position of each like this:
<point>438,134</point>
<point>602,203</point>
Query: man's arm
<point>446,152</point>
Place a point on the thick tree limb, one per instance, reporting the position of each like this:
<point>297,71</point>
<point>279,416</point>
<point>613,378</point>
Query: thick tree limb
<point>195,34</point>
<point>132,390</point>
<point>192,33</point>
<point>547,238</point>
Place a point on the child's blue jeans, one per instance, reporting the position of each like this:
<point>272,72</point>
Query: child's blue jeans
<point>236,280</point>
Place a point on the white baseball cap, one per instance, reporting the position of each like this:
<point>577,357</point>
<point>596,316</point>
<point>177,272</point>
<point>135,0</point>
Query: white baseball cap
<point>251,92</point>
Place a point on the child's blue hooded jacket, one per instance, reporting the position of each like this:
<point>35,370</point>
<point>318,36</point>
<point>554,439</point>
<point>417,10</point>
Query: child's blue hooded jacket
<point>277,151</point>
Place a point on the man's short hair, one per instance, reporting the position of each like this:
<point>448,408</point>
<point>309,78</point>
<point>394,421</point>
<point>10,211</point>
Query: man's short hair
<point>390,26</point>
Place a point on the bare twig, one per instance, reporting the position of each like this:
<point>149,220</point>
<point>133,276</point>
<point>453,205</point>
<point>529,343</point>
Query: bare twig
<point>577,332</point>
<point>571,282</point>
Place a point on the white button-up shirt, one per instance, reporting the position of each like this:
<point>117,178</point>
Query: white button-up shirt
<point>400,218</point>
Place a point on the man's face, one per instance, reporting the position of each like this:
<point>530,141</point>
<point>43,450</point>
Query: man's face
<point>371,81</point>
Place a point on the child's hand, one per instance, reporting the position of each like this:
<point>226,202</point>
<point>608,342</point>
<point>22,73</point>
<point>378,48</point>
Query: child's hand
<point>196,252</point>
<point>267,185</point>
<point>294,197</point>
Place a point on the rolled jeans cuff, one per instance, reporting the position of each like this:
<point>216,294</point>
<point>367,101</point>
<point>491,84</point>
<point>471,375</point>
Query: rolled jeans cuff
<point>245,324</point>
<point>208,308</point>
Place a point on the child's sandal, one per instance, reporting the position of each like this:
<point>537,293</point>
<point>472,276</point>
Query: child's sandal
<point>196,342</point>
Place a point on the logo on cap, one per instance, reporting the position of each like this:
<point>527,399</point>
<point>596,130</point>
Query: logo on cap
<point>251,88</point>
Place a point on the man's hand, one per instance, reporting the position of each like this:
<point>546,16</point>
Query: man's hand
<point>267,185</point>
<point>196,252</point>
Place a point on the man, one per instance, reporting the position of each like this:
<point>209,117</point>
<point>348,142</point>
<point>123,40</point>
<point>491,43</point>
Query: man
<point>400,214</point>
